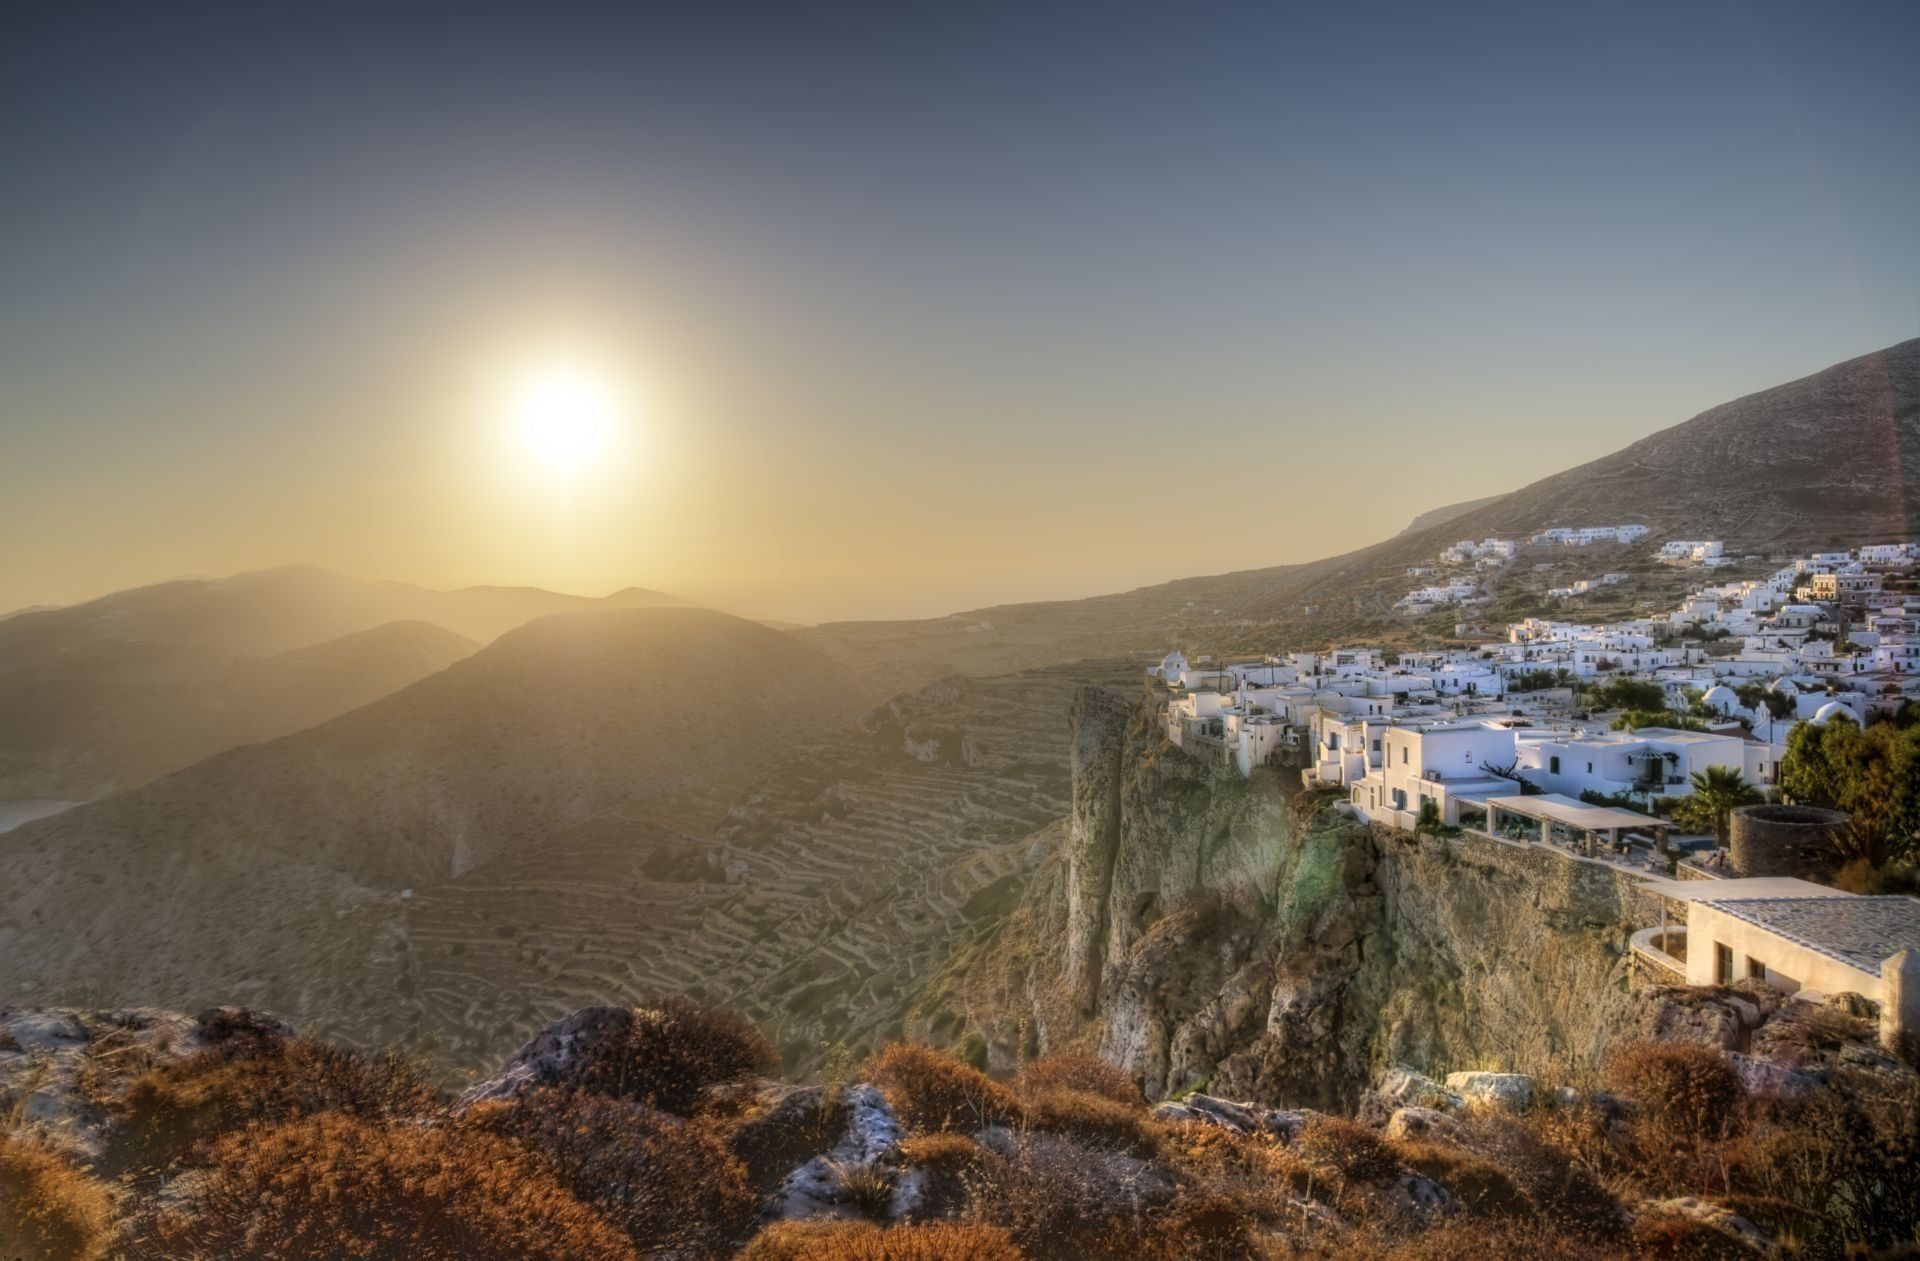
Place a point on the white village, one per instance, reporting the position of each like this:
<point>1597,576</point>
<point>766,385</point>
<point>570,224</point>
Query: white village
<point>1652,746</point>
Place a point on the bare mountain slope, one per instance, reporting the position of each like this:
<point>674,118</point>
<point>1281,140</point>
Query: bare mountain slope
<point>1833,458</point>
<point>101,696</point>
<point>241,867</point>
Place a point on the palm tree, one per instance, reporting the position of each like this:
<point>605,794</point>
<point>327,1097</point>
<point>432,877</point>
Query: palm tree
<point>1718,791</point>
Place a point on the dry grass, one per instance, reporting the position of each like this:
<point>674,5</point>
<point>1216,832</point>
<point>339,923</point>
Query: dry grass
<point>931,1090</point>
<point>335,1186</point>
<point>49,1209</point>
<point>1093,1119</point>
<point>671,1052</point>
<point>249,1078</point>
<point>1086,1074</point>
<point>1347,1150</point>
<point>861,1241</point>
<point>669,1184</point>
<point>1482,1188</point>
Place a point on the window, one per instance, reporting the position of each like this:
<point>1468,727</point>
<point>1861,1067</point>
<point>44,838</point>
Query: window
<point>1589,768</point>
<point>1376,746</point>
<point>1756,969</point>
<point>1722,964</point>
<point>1403,755</point>
<point>1553,765</point>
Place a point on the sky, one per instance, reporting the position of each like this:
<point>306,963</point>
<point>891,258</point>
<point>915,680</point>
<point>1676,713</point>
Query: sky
<point>892,310</point>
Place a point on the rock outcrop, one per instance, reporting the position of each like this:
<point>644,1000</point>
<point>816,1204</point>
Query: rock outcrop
<point>1211,931</point>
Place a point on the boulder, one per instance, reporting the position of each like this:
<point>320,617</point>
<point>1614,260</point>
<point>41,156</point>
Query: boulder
<point>1505,1091</point>
<point>1421,1123</point>
<point>1766,1079</point>
<point>1716,1217</point>
<point>1403,1088</point>
<point>550,1056</point>
<point>1243,1118</point>
<point>870,1142</point>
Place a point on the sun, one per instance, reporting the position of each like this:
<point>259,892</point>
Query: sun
<point>564,415</point>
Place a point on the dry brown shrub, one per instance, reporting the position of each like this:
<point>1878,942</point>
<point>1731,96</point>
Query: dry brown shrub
<point>1482,1187</point>
<point>49,1209</point>
<point>1348,1148</point>
<point>949,1165</point>
<point>1090,1118</point>
<point>931,1090</point>
<point>1836,1165</point>
<point>1691,1102</point>
<point>863,1241</point>
<point>333,1186</point>
<point>1567,1193</point>
<point>1666,1237</point>
<point>1467,1240</point>
<point>667,1183</point>
<point>1686,1089</point>
<point>670,1052</point>
<point>1204,1227</point>
<point>252,1076</point>
<point>1265,1179</point>
<point>1087,1074</point>
<point>1065,1201</point>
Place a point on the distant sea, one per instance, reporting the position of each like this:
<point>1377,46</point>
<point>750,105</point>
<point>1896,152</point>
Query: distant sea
<point>14,813</point>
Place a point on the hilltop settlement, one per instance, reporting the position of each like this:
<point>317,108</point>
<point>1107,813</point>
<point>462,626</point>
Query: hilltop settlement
<point>1656,744</point>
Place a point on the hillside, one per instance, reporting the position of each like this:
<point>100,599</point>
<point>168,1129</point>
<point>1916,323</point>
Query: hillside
<point>239,869</point>
<point>1832,459</point>
<point>91,733</point>
<point>101,696</point>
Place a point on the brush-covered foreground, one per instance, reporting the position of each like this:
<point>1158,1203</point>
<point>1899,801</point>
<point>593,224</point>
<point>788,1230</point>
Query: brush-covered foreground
<point>653,1132</point>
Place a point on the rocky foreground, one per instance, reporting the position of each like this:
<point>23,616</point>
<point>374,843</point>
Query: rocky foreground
<point>655,1132</point>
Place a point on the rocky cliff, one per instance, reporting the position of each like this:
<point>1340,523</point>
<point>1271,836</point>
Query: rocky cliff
<point>1206,930</point>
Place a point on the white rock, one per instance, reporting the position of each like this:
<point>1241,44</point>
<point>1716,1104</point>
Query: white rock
<point>1511,1091</point>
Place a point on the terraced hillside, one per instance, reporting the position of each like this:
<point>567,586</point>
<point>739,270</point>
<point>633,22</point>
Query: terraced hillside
<point>250,869</point>
<point>816,901</point>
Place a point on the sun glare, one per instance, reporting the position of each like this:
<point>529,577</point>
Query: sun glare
<point>564,416</point>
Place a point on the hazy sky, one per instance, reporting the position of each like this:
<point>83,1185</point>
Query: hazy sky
<point>910,307</point>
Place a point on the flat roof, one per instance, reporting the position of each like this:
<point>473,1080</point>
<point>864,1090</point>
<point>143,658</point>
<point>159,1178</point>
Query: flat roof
<point>1574,813</point>
<point>1858,931</point>
<point>1741,889</point>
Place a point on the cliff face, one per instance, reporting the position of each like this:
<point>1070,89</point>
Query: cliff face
<point>1205,930</point>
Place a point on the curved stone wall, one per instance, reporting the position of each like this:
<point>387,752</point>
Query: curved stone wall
<point>1779,840</point>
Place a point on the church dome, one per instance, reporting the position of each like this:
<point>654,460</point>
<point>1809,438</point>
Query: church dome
<point>1721,699</point>
<point>1831,710</point>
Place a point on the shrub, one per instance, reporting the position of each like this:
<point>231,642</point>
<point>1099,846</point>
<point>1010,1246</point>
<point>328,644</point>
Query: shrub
<point>667,1183</point>
<point>1203,1227</point>
<point>933,1091</point>
<point>1690,1101</point>
<point>862,1241</point>
<point>1348,1148</point>
<point>1087,1074</point>
<point>1565,1191</point>
<point>948,1164</point>
<point>1063,1201</point>
<point>1665,1237</point>
<point>251,1076</point>
<point>669,1053</point>
<point>50,1210</point>
<point>1481,1187</point>
<point>332,1186</point>
<point>1092,1118</point>
<point>867,1190</point>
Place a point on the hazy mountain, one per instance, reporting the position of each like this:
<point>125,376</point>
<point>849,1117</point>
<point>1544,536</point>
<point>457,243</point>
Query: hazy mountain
<point>1830,459</point>
<point>143,713</point>
<point>101,696</point>
<point>240,869</point>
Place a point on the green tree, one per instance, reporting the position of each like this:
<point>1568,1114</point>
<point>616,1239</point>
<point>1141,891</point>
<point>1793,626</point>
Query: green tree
<point>1873,774</point>
<point>1717,792</point>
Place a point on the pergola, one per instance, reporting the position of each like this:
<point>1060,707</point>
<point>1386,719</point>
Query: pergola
<point>1562,819</point>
